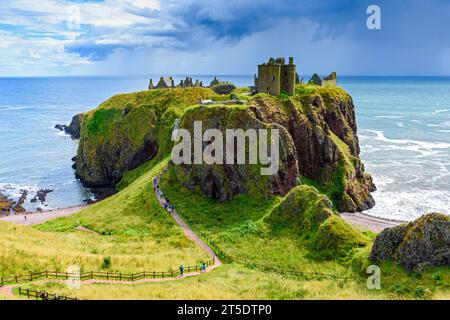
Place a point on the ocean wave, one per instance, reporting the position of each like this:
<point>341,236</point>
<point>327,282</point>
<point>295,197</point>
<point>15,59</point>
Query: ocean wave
<point>441,111</point>
<point>409,205</point>
<point>445,124</point>
<point>60,133</point>
<point>9,108</point>
<point>379,135</point>
<point>390,117</point>
<point>14,190</point>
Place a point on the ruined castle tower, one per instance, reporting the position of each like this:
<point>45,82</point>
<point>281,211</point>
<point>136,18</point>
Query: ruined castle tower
<point>275,77</point>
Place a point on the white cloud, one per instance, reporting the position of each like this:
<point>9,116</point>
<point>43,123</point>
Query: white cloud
<point>37,32</point>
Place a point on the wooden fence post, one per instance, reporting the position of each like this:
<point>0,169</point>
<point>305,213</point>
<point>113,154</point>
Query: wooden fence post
<point>92,275</point>
<point>28,293</point>
<point>17,281</point>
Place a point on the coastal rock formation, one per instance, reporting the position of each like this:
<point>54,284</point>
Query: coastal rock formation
<point>223,182</point>
<point>74,128</point>
<point>18,207</point>
<point>423,242</point>
<point>323,127</point>
<point>6,205</point>
<point>319,135</point>
<point>41,195</point>
<point>310,214</point>
<point>128,130</point>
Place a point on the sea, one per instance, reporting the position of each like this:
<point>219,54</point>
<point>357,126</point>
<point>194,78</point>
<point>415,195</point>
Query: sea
<point>403,127</point>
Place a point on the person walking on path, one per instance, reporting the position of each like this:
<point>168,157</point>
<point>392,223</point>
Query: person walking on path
<point>181,270</point>
<point>203,267</point>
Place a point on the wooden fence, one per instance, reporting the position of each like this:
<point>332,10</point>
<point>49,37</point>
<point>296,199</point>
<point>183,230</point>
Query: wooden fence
<point>42,295</point>
<point>95,275</point>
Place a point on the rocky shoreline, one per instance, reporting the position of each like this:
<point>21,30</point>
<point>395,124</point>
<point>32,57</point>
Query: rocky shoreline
<point>74,128</point>
<point>10,206</point>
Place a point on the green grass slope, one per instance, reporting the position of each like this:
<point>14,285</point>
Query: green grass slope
<point>131,228</point>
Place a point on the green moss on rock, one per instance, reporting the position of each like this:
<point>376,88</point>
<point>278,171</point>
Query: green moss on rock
<point>309,215</point>
<point>129,129</point>
<point>318,124</point>
<point>423,242</point>
<point>304,209</point>
<point>336,239</point>
<point>223,182</point>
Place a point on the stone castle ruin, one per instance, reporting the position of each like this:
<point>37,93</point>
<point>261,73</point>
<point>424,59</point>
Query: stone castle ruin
<point>275,77</point>
<point>330,81</point>
<point>169,82</point>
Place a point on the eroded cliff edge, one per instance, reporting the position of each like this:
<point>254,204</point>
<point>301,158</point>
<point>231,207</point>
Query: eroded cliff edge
<point>319,141</point>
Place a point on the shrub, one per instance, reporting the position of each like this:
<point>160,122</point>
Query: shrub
<point>224,88</point>
<point>106,264</point>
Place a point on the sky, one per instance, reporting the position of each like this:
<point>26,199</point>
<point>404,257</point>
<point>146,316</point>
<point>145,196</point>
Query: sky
<point>229,37</point>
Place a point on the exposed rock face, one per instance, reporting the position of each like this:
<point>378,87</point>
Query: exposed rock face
<point>423,242</point>
<point>128,130</point>
<point>223,182</point>
<point>18,208</point>
<point>319,136</point>
<point>5,205</point>
<point>323,128</point>
<point>74,128</point>
<point>41,195</point>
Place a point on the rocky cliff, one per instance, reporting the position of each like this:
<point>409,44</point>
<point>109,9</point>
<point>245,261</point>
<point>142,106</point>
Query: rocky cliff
<point>128,130</point>
<point>223,182</point>
<point>74,128</point>
<point>423,242</point>
<point>319,143</point>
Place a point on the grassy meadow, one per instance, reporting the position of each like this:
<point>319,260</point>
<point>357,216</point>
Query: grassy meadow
<point>140,235</point>
<point>130,228</point>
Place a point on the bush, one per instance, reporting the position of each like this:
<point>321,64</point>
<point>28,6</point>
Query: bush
<point>106,264</point>
<point>223,88</point>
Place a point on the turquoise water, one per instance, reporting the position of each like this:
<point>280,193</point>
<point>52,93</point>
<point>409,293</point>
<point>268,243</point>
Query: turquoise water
<point>404,130</point>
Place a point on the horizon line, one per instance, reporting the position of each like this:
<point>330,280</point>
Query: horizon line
<point>206,75</point>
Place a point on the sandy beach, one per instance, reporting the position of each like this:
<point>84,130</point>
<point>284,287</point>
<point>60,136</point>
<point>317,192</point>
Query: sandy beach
<point>366,222</point>
<point>41,217</point>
